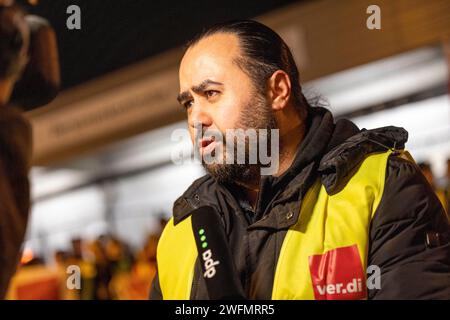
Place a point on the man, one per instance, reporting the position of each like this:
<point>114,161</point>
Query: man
<point>342,202</point>
<point>15,143</point>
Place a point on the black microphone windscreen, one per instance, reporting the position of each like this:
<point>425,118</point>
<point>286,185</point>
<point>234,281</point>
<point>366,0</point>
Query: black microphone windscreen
<point>215,257</point>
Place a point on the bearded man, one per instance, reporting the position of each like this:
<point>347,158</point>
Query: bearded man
<point>344,206</point>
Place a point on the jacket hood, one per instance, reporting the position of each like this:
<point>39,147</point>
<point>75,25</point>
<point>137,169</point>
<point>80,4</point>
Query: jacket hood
<point>339,165</point>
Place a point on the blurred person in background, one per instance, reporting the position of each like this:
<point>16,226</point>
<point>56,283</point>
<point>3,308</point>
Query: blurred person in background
<point>108,268</point>
<point>120,259</point>
<point>83,258</point>
<point>144,270</point>
<point>162,224</point>
<point>15,142</point>
<point>35,280</point>
<point>60,258</point>
<point>103,272</point>
<point>425,167</point>
<point>60,265</point>
<point>29,76</point>
<point>118,255</point>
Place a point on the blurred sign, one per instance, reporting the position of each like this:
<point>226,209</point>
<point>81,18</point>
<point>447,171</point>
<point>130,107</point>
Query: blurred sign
<point>109,115</point>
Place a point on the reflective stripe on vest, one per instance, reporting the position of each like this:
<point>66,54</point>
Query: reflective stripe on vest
<point>323,256</point>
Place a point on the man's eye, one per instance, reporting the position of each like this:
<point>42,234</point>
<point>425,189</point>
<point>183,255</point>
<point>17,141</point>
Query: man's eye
<point>211,93</point>
<point>187,104</point>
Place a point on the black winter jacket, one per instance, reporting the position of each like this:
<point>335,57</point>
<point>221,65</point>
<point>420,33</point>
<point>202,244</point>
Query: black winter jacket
<point>409,234</point>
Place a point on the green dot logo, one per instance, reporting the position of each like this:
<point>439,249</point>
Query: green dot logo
<point>201,232</point>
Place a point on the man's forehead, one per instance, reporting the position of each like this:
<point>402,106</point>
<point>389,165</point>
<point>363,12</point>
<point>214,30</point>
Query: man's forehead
<point>211,57</point>
<point>220,44</point>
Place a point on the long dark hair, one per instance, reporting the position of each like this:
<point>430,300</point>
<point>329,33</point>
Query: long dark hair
<point>263,53</point>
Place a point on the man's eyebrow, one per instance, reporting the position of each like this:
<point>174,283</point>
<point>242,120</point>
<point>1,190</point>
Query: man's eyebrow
<point>183,96</point>
<point>198,88</point>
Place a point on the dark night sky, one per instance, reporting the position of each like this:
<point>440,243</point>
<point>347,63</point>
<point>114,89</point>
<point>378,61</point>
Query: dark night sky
<point>116,33</point>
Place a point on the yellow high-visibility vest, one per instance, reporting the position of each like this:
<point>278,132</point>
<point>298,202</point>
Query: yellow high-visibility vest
<point>323,256</point>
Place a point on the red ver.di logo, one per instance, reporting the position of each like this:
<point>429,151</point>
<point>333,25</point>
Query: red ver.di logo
<point>338,274</point>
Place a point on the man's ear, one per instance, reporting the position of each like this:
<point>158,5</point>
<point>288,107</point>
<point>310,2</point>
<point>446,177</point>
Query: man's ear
<point>279,89</point>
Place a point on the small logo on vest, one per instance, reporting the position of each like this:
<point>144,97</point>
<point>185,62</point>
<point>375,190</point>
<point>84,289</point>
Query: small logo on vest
<point>338,274</point>
<point>209,263</point>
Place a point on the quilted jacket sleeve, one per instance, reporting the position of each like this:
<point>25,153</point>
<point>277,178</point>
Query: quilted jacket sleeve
<point>409,238</point>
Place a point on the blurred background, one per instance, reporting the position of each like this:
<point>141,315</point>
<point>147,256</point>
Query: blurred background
<point>103,181</point>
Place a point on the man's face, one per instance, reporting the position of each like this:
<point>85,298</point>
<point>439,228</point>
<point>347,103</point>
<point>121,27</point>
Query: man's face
<point>219,96</point>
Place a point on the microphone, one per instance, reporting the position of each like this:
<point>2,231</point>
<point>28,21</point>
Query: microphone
<point>40,81</point>
<point>215,256</point>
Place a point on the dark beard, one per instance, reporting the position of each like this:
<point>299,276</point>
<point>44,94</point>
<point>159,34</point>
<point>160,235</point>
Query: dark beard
<point>257,115</point>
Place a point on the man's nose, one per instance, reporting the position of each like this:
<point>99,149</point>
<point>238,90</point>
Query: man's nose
<point>199,116</point>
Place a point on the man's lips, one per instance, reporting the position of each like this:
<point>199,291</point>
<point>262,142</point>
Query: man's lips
<point>206,145</point>
<point>205,142</point>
